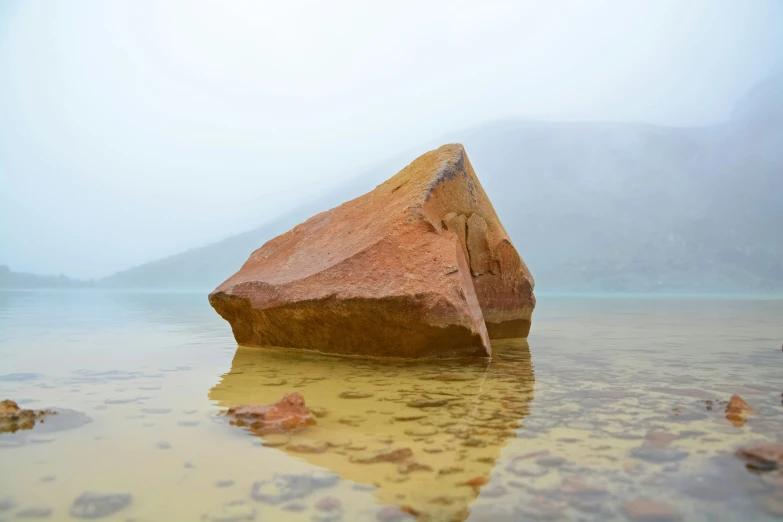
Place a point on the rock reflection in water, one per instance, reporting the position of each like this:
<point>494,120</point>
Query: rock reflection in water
<point>426,434</point>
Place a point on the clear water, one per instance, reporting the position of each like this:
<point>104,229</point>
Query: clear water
<point>564,426</point>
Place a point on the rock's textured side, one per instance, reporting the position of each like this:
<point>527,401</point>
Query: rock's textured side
<point>287,414</point>
<point>419,267</point>
<point>13,418</point>
<point>737,411</point>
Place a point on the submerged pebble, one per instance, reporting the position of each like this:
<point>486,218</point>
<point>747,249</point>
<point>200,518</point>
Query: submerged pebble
<point>7,503</point>
<point>658,455</point>
<point>329,504</point>
<point>355,395</point>
<point>393,514</point>
<point>388,455</point>
<point>285,487</point>
<point>97,505</point>
<point>36,512</point>
<point>296,507</point>
<point>237,511</point>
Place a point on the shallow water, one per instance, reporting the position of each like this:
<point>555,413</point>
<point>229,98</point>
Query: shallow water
<point>603,405</point>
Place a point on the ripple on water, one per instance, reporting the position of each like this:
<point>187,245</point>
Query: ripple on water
<point>623,419</point>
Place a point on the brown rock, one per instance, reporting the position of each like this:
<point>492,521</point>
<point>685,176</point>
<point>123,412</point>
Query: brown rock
<point>419,267</point>
<point>737,411</point>
<point>13,418</point>
<point>646,510</point>
<point>763,455</point>
<point>8,408</point>
<point>287,414</point>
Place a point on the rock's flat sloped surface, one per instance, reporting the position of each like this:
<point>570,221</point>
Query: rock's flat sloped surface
<point>419,267</point>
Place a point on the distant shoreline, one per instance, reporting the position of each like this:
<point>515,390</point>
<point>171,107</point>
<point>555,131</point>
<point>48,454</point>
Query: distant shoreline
<point>669,294</point>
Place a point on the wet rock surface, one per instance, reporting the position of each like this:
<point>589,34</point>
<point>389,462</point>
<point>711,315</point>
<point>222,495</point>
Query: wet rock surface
<point>286,415</point>
<point>603,391</point>
<point>13,418</point>
<point>19,426</point>
<point>419,267</point>
<point>427,426</point>
<point>737,411</point>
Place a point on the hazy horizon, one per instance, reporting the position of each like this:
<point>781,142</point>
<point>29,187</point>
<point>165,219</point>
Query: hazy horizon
<point>132,131</point>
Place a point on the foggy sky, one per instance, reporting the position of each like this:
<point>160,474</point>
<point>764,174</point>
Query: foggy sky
<point>131,130</point>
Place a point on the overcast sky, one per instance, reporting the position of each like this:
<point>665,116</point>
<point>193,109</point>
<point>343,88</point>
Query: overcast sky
<point>130,130</point>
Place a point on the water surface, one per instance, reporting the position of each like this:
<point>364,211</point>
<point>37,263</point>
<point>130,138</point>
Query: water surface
<point>607,402</point>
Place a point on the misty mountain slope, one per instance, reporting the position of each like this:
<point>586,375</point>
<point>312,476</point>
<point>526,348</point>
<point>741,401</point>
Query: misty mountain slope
<point>627,207</point>
<point>595,206</point>
<point>10,280</point>
<point>210,265</point>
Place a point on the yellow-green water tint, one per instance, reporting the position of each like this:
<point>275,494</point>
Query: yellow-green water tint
<point>558,426</point>
<point>424,434</point>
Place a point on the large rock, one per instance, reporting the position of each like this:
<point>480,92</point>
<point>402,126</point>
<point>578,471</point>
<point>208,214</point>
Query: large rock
<point>419,267</point>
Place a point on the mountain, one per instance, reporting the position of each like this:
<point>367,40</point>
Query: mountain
<point>594,206</point>
<point>10,280</point>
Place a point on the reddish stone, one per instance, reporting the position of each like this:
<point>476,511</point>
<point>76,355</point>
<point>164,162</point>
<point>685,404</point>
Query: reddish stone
<point>287,414</point>
<point>737,411</point>
<point>419,267</point>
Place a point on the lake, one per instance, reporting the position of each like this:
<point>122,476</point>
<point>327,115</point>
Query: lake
<point>613,409</point>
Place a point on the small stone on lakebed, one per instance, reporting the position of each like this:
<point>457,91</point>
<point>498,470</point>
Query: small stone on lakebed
<point>98,505</point>
<point>284,487</point>
<point>355,395</point>
<point>388,455</point>
<point>287,414</point>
